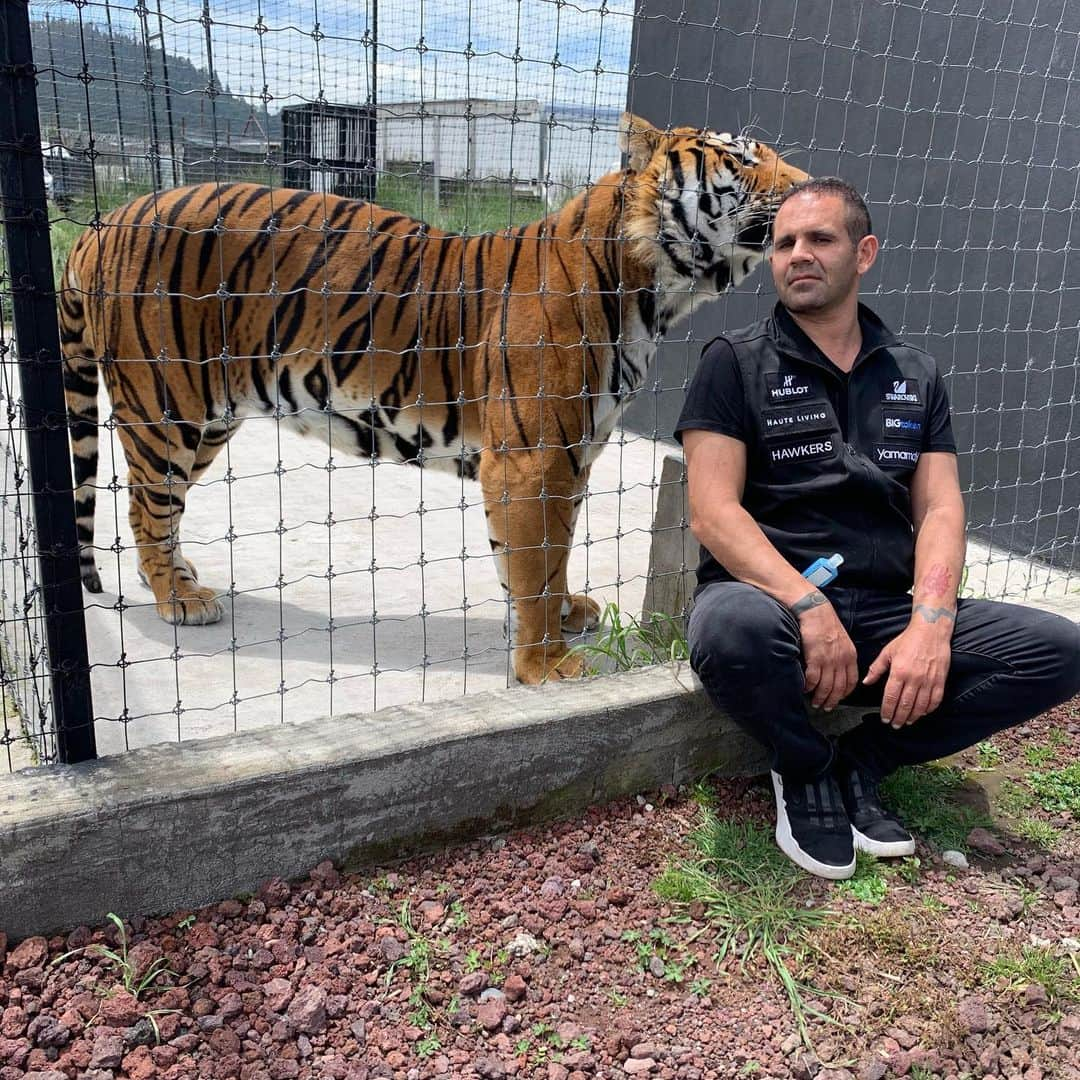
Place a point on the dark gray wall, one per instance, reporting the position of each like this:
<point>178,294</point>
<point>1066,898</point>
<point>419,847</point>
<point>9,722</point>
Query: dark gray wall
<point>961,131</point>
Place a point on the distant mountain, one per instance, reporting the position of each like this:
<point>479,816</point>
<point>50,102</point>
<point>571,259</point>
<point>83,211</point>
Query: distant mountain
<point>62,96</point>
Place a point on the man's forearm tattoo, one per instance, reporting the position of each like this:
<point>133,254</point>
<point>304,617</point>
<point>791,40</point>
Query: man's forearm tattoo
<point>932,614</point>
<point>938,580</point>
<point>810,600</point>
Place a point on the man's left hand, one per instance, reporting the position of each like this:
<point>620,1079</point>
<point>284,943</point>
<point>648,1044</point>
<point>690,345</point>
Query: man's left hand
<point>917,662</point>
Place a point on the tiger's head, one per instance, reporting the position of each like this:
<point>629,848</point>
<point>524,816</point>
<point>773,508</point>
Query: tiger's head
<point>700,203</point>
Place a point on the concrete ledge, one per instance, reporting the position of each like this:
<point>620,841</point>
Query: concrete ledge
<point>181,825</point>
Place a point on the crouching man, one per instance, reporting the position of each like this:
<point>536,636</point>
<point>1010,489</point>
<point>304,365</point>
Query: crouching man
<point>815,432</point>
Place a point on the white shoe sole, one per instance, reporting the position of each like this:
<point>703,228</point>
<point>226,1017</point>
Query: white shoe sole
<point>894,849</point>
<point>790,846</point>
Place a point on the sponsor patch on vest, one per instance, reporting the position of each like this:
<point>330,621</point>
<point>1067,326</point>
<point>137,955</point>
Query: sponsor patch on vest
<point>895,455</point>
<point>779,420</point>
<point>785,387</point>
<point>805,451</point>
<point>905,391</point>
<point>902,425</point>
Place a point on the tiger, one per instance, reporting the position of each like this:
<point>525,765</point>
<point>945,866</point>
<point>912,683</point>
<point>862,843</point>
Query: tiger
<point>505,357</point>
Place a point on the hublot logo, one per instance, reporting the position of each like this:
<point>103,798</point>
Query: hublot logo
<point>787,387</point>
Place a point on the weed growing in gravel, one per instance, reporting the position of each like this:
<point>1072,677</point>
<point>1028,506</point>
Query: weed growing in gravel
<point>1058,789</point>
<point>703,794</point>
<point>134,982</point>
<point>989,755</point>
<point>933,904</point>
<point>622,643</point>
<point>1038,755</point>
<point>658,952</point>
<point>868,884</point>
<point>1033,964</point>
<point>1013,799</point>
<point>417,960</point>
<point>925,797</point>
<point>417,957</point>
<point>1041,833</point>
<point>747,887</point>
<point>1029,897</point>
<point>910,868</point>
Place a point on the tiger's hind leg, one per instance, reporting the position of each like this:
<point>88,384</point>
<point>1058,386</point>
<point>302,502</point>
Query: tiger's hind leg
<point>160,472</point>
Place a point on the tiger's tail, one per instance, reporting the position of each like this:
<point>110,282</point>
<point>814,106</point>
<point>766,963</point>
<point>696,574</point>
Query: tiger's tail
<point>81,392</point>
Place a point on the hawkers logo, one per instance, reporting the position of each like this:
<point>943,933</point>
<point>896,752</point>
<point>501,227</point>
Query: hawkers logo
<point>802,451</point>
<point>903,390</point>
<point>890,455</point>
<point>787,387</point>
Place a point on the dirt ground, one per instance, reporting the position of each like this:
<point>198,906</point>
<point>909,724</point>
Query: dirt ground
<point>551,952</point>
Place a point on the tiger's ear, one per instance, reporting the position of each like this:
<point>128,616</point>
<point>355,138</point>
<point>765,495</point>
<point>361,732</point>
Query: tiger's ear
<point>639,139</point>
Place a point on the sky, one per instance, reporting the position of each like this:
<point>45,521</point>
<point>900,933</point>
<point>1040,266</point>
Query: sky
<point>571,54</point>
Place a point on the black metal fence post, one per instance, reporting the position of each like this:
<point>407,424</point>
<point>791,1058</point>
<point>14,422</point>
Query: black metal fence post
<point>37,339</point>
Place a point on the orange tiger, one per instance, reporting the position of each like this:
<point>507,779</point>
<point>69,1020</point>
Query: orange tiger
<point>506,357</point>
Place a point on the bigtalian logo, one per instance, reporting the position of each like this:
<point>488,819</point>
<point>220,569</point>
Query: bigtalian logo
<point>902,425</point>
<point>903,390</point>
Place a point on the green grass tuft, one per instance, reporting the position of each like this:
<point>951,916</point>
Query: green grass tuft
<point>748,889</point>
<point>868,884</point>
<point>621,643</point>
<point>926,799</point>
<point>1058,976</point>
<point>1040,833</point>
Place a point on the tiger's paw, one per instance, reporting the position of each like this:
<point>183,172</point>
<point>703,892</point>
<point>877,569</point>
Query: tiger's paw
<point>538,665</point>
<point>580,612</point>
<point>196,607</point>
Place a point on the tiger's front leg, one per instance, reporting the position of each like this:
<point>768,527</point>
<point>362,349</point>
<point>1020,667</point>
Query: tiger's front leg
<point>530,528</point>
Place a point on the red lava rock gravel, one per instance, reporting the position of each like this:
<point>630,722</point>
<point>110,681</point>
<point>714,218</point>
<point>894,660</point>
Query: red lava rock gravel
<point>547,954</point>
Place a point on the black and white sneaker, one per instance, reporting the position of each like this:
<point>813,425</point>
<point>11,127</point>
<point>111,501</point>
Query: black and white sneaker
<point>812,827</point>
<point>873,829</point>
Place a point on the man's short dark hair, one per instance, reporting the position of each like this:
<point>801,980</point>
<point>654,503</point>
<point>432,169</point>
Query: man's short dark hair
<point>858,217</point>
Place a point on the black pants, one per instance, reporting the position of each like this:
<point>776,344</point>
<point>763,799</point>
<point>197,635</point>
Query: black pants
<point>1009,663</point>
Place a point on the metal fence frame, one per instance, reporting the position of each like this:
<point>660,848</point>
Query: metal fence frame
<point>44,413</point>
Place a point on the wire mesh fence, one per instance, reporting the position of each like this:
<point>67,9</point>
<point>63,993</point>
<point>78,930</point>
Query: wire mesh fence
<point>277,364</point>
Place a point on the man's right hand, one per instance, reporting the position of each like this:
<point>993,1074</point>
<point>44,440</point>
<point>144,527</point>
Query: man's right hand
<point>832,670</point>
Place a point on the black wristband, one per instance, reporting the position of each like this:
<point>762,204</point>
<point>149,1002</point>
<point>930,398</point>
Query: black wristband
<point>810,600</point>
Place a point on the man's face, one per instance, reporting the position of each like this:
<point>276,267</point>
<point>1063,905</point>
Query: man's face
<point>815,266</point>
